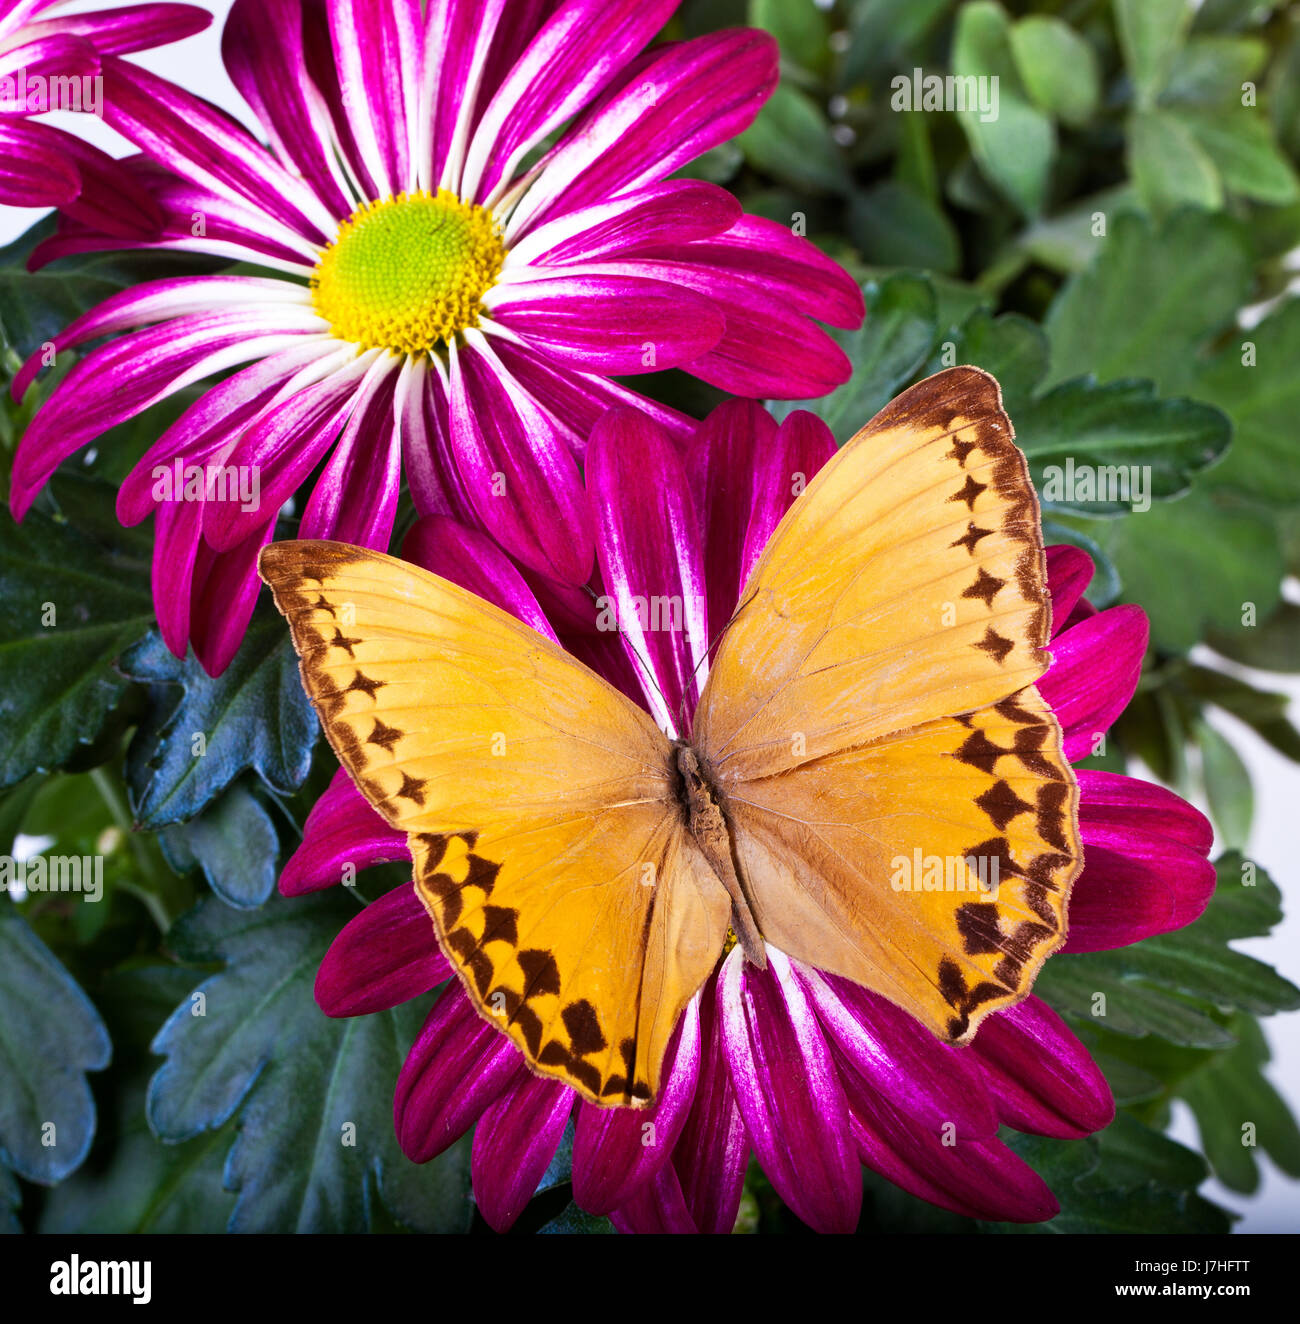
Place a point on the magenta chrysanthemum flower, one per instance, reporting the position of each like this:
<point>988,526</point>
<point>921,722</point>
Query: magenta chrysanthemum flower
<point>51,62</point>
<point>459,284</point>
<point>807,1071</point>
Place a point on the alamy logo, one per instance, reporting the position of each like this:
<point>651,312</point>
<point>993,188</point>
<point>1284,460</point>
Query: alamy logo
<point>54,873</point>
<point>944,873</point>
<point>22,93</point>
<point>1092,484</point>
<point>73,1277</point>
<point>179,481</point>
<point>649,614</point>
<point>976,93</point>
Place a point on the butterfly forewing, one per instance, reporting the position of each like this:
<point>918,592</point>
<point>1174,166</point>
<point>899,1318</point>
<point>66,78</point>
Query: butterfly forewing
<point>548,844</point>
<point>871,722</point>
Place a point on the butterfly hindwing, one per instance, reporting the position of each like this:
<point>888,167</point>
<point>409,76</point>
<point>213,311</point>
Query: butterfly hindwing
<point>872,702</point>
<point>539,804</point>
<point>932,865</point>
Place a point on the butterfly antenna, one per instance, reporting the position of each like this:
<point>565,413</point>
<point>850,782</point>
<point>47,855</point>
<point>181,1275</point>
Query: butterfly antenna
<point>708,652</point>
<point>646,668</point>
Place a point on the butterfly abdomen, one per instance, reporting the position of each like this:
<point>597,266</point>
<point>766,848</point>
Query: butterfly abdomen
<point>708,825</point>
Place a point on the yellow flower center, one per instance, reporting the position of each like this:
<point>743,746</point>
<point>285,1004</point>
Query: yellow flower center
<point>408,273</point>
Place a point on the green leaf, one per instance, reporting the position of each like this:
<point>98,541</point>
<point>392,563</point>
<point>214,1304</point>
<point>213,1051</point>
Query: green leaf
<point>791,141</point>
<point>1129,446</point>
<point>1262,397</point>
<point>887,351</point>
<point>1284,91</point>
<point>1176,984</point>
<point>36,306</point>
<point>1011,347</point>
<point>894,225</point>
<point>50,1036</point>
<point>1015,148</point>
<point>1151,299</point>
<point>1272,645</point>
<point>313,1096</point>
<point>1227,787</point>
<point>1096,1192</point>
<point>69,607</point>
<point>11,1198</point>
<point>254,715</point>
<point>1150,35</point>
<point>1237,1111</point>
<point>1211,69</point>
<point>1170,168</point>
<point>1264,712</point>
<point>1193,563</point>
<point>883,34</point>
<point>234,841</point>
<point>801,28</point>
<point>575,1220</point>
<point>144,1185</point>
<point>1239,141</point>
<point>1105,586</point>
<point>1058,68</point>
<point>1133,1155</point>
<point>1068,240</point>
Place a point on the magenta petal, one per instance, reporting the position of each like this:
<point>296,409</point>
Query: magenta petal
<point>135,27</point>
<point>1069,572</point>
<point>285,444</point>
<point>576,53</point>
<point>262,48</point>
<point>900,1059</point>
<point>609,322</point>
<point>457,1067</point>
<point>225,592</point>
<point>648,551</point>
<point>1095,669</point>
<point>977,1178</point>
<point>578,399</point>
<point>197,141</point>
<point>517,468</point>
<point>377,52</point>
<point>658,1207</point>
<point>617,1150</point>
<point>676,210</point>
<point>514,1143</point>
<point>342,830</point>
<point>1042,1077</point>
<point>176,538</point>
<point>764,253</point>
<point>713,1150</point>
<point>789,1092</point>
<point>666,109</point>
<point>472,560</point>
<point>745,473</point>
<point>34,171</point>
<point>384,956</point>
<point>1145,869</point>
<point>124,378</point>
<point>355,499</point>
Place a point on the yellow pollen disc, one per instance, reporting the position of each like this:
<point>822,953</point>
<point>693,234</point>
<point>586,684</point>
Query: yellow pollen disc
<point>408,273</point>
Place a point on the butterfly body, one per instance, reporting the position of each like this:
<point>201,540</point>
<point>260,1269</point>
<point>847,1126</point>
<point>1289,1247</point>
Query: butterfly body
<point>871,702</point>
<point>708,825</point>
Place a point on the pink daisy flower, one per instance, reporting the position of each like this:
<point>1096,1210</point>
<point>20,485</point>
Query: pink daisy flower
<point>805,1071</point>
<point>470,230</point>
<point>50,62</point>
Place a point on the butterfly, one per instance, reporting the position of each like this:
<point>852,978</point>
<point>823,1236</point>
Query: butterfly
<point>870,710</point>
